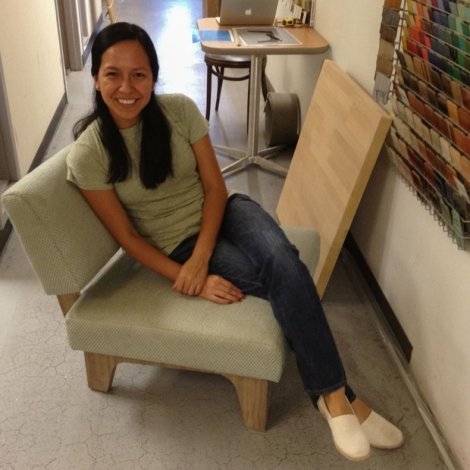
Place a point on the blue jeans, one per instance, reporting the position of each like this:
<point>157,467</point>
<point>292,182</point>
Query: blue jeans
<point>253,253</point>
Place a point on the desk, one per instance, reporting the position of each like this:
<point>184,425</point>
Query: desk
<point>310,43</point>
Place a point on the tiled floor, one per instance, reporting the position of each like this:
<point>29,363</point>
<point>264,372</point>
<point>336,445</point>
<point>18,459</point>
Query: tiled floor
<point>165,419</point>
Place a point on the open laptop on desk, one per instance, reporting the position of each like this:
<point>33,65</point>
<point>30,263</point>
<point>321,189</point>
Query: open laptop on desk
<point>247,12</point>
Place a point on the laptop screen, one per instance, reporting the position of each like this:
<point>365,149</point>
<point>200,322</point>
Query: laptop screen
<point>247,12</point>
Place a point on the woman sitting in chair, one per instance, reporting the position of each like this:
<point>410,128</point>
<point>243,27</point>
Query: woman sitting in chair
<point>146,166</point>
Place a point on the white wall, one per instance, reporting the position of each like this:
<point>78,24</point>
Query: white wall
<point>424,276</point>
<point>32,68</point>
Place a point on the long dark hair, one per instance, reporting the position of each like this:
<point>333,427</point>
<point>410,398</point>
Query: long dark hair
<point>155,159</point>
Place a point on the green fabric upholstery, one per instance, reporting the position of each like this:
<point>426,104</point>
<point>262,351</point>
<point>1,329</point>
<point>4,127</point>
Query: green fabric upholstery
<point>64,241</point>
<point>134,313</point>
<point>127,310</point>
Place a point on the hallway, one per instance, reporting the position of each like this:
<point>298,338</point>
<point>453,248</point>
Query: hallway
<point>166,419</point>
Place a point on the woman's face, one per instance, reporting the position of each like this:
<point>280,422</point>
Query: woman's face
<point>125,81</point>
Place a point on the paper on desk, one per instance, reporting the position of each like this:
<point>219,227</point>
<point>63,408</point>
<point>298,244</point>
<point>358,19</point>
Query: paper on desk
<point>266,36</point>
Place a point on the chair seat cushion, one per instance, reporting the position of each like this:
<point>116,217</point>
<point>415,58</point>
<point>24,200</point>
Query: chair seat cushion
<point>228,60</point>
<point>134,313</point>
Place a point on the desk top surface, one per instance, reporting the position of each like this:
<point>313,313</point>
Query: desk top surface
<point>310,42</point>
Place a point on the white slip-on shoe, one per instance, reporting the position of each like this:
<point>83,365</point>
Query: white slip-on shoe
<point>381,433</point>
<point>348,436</point>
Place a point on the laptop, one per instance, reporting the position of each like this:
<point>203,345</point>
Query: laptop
<point>247,12</point>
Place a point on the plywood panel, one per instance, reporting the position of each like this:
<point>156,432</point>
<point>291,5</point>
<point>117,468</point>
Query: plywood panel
<point>342,135</point>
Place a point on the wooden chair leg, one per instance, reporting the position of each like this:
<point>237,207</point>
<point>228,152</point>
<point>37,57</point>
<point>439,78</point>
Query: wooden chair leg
<point>100,371</point>
<point>252,393</point>
<point>253,398</point>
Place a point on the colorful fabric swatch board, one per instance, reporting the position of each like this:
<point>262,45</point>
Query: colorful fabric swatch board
<point>428,86</point>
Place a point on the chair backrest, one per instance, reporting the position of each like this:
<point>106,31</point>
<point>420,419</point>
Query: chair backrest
<point>65,242</point>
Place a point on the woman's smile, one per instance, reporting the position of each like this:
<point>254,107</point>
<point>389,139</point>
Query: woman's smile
<point>126,101</point>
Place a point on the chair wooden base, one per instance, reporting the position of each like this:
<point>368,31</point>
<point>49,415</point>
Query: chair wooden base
<point>252,393</point>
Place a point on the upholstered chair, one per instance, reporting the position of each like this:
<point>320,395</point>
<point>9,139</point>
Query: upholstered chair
<point>118,311</point>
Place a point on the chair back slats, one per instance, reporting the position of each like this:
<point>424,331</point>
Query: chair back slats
<point>63,239</point>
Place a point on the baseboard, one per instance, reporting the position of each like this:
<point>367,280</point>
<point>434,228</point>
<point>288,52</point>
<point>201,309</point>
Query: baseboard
<point>49,134</point>
<point>396,343</point>
<point>399,334</point>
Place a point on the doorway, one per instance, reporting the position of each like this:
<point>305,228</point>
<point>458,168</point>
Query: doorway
<point>79,20</point>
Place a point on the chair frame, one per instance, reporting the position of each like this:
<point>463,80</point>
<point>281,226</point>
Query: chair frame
<point>252,393</point>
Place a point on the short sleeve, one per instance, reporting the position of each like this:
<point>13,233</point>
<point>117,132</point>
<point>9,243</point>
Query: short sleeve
<point>197,123</point>
<point>184,116</point>
<point>87,163</point>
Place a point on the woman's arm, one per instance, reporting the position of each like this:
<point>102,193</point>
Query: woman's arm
<point>193,274</point>
<point>108,208</point>
<point>215,196</point>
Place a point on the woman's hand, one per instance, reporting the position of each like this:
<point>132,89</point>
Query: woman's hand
<point>192,276</point>
<point>193,280</point>
<point>219,290</point>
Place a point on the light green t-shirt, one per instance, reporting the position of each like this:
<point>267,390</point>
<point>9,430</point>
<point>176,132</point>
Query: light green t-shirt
<point>168,214</point>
